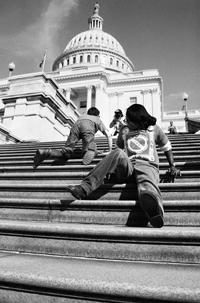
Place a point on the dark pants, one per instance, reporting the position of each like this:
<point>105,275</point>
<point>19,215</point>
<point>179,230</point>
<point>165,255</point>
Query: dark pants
<point>80,130</point>
<point>146,175</point>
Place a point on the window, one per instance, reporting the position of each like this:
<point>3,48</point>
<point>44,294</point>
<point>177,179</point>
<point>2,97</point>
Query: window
<point>96,58</point>
<point>81,59</point>
<point>88,58</point>
<point>111,61</point>
<point>133,100</point>
<point>83,104</point>
<point>74,59</point>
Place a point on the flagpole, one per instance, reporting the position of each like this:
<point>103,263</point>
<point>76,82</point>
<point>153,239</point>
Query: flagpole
<point>42,64</point>
<point>45,54</point>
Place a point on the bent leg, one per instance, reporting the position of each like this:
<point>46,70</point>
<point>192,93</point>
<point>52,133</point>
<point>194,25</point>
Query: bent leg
<point>149,194</point>
<point>43,154</point>
<point>115,162</point>
<point>89,147</point>
<point>72,139</point>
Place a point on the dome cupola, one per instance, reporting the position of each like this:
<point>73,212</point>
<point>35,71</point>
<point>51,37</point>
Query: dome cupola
<point>94,47</point>
<point>95,22</point>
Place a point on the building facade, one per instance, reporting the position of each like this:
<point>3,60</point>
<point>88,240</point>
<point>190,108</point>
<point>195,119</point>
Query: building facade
<point>93,70</point>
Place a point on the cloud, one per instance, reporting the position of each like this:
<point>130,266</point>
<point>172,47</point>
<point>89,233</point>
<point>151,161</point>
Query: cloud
<point>31,42</point>
<point>51,23</point>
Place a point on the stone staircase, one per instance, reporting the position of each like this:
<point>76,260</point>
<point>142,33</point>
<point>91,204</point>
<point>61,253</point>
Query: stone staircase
<point>54,248</point>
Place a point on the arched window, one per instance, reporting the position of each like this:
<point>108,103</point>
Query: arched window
<point>88,58</point>
<point>96,58</point>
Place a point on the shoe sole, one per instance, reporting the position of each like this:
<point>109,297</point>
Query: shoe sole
<point>151,207</point>
<point>73,193</point>
<point>37,159</point>
<point>90,154</point>
<point>40,156</point>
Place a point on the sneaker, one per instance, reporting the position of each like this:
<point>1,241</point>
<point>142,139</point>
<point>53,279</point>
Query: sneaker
<point>77,191</point>
<point>40,156</point>
<point>153,209</point>
<point>90,154</point>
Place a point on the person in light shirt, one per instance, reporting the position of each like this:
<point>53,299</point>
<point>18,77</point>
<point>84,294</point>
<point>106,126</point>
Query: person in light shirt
<point>136,155</point>
<point>84,128</point>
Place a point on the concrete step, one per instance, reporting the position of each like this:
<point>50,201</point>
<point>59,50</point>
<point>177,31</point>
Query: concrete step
<point>170,191</point>
<point>168,244</point>
<point>76,158</point>
<point>30,151</point>
<point>109,212</point>
<point>69,176</point>
<point>41,279</point>
<point>76,165</point>
<point>98,249</point>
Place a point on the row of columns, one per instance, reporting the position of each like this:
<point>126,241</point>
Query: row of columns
<point>89,95</point>
<point>151,99</point>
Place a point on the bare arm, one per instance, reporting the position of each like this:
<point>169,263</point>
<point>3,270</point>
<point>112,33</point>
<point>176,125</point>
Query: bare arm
<point>112,123</point>
<point>170,158</point>
<point>173,171</point>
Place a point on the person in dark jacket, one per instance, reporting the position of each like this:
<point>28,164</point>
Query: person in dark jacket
<point>117,122</point>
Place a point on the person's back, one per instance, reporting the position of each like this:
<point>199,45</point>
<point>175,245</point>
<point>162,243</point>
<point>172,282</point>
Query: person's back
<point>90,123</point>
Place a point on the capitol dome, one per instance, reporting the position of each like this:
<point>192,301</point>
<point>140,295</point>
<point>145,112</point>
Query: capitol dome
<point>94,47</point>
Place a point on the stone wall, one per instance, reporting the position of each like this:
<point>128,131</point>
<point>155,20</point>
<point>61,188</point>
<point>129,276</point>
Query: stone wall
<point>35,109</point>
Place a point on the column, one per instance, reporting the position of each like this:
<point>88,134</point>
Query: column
<point>147,102</point>
<point>89,96</point>
<point>98,101</point>
<point>156,105</point>
<point>121,103</point>
<point>68,92</point>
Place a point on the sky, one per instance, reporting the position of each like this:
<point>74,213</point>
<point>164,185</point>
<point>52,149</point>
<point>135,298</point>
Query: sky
<point>155,34</point>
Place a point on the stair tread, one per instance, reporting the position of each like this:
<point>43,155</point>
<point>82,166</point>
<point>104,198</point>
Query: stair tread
<point>90,249</point>
<point>189,233</point>
<point>121,279</point>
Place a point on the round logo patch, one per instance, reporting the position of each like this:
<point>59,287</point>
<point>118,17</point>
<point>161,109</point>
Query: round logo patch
<point>137,145</point>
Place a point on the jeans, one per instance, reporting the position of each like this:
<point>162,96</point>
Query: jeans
<point>80,130</point>
<point>146,175</point>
